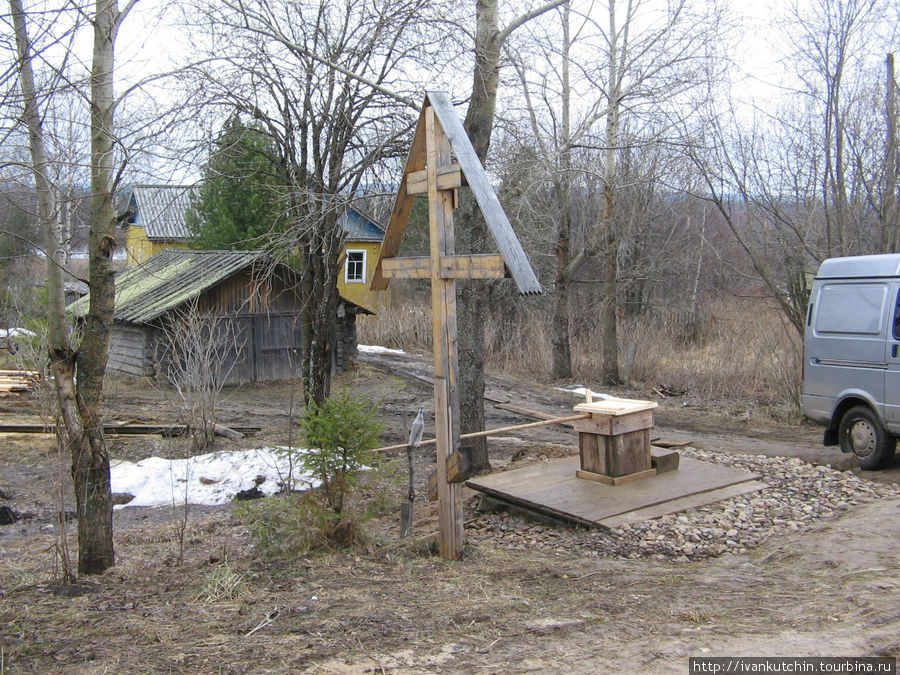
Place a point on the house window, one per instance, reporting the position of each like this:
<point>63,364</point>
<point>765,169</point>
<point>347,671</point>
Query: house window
<point>355,270</point>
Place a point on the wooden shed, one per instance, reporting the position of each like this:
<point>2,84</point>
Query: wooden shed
<point>258,303</point>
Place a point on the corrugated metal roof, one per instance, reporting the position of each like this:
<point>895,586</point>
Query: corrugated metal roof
<point>161,210</point>
<point>168,279</point>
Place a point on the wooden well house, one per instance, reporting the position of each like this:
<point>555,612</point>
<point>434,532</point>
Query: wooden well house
<point>257,303</point>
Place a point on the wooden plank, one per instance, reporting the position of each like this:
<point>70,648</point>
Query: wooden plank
<point>412,267</point>
<point>459,465</point>
<point>486,266</point>
<point>552,487</point>
<point>669,444</point>
<point>617,455</point>
<point>627,453</point>
<point>487,432</point>
<point>663,461</point>
<point>525,412</point>
<point>595,424</point>
<point>494,216</point>
<point>119,429</point>
<point>476,266</point>
<point>448,178</point>
<point>623,424</point>
<point>591,458</point>
<point>443,311</point>
<point>616,406</point>
<point>612,425</point>
<point>618,480</point>
<point>432,490</point>
<point>534,477</point>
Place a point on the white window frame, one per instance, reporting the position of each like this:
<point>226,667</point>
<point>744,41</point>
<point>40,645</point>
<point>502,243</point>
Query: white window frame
<point>362,278</point>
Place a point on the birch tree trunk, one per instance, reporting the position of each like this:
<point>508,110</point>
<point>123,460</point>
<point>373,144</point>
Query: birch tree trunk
<point>79,399</point>
<point>90,459</point>
<point>610,246</point>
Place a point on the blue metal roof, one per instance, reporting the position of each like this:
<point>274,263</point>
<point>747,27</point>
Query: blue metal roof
<point>359,227</point>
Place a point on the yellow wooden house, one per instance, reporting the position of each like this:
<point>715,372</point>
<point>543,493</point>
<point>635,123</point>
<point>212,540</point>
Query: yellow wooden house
<point>156,222</point>
<point>362,247</point>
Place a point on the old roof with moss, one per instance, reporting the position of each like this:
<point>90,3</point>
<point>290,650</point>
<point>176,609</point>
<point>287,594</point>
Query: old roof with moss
<point>165,281</point>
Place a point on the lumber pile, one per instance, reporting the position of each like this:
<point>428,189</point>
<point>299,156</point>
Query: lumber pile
<point>17,380</point>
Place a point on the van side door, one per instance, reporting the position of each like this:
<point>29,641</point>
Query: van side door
<point>847,345</point>
<point>892,357</point>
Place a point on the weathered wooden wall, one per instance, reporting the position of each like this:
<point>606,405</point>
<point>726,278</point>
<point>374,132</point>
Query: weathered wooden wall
<point>261,328</point>
<point>246,293</point>
<point>260,347</point>
<point>131,349</point>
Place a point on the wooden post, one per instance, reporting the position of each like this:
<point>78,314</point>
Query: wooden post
<point>406,509</point>
<point>443,308</point>
<point>430,171</point>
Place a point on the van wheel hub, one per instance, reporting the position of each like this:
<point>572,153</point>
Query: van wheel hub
<point>863,438</point>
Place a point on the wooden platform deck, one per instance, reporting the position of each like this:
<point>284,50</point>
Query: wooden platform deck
<point>551,488</point>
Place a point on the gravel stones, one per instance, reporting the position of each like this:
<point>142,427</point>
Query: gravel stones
<point>797,495</point>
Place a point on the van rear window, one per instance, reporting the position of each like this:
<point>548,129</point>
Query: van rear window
<point>851,308</point>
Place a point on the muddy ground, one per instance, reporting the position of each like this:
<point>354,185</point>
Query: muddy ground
<point>392,605</point>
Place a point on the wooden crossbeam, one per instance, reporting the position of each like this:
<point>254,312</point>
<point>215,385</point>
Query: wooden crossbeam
<point>480,266</point>
<point>448,178</point>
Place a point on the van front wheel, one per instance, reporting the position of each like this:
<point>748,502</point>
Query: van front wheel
<point>862,434</point>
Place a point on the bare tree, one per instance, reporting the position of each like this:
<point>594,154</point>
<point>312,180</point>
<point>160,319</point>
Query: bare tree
<point>79,369</point>
<point>638,69</point>
<point>471,232</point>
<point>813,176</point>
<point>198,356</point>
<point>326,84</point>
<point>831,35</point>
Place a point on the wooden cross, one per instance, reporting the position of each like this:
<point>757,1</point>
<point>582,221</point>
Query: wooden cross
<point>431,171</point>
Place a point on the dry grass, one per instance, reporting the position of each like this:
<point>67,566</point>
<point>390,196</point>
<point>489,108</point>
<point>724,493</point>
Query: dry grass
<point>390,608</point>
<point>741,353</point>
<point>738,349</point>
<point>222,583</point>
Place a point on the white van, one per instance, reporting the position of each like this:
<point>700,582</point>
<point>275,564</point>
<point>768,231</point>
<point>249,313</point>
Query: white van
<point>851,356</point>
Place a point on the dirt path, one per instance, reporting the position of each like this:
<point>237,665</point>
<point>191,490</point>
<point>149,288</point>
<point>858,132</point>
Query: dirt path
<point>833,591</point>
<point>705,426</point>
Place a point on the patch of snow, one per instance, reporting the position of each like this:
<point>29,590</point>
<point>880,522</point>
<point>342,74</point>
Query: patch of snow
<point>15,332</point>
<point>374,349</point>
<point>211,479</point>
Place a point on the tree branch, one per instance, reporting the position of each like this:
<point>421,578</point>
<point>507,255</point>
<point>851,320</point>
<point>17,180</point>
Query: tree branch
<point>525,18</point>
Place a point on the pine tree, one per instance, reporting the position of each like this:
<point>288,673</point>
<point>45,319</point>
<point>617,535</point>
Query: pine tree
<point>240,204</point>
